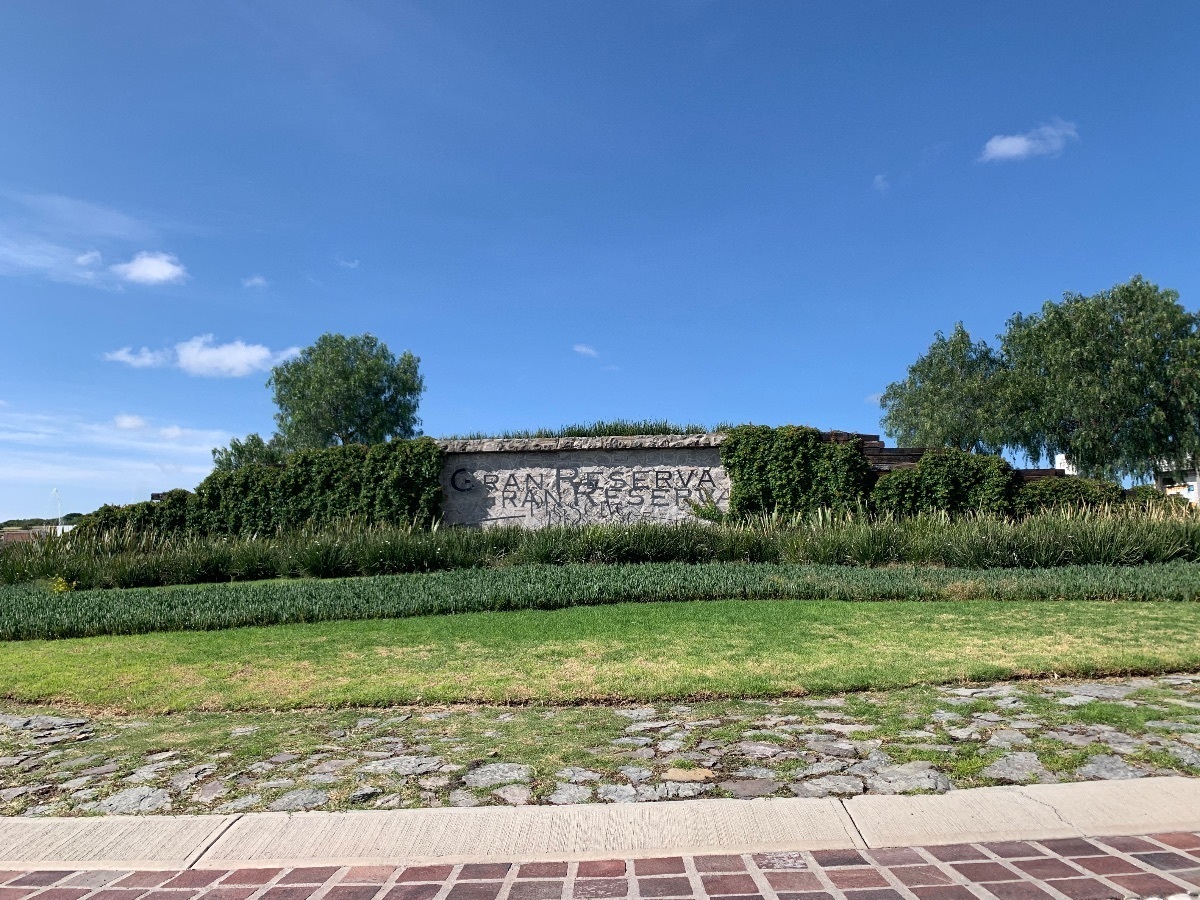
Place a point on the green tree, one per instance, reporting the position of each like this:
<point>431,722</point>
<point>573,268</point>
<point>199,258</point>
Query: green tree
<point>346,390</point>
<point>1111,380</point>
<point>253,450</point>
<point>948,398</point>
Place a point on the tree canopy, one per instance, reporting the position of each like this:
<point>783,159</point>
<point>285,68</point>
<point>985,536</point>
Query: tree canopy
<point>339,390</point>
<point>947,400</point>
<point>346,390</point>
<point>1112,380</point>
<point>253,450</point>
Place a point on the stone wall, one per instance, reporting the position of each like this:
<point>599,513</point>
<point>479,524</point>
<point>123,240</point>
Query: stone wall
<point>534,482</point>
<point>572,481</point>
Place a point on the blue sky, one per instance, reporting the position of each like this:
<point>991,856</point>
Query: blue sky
<point>701,211</point>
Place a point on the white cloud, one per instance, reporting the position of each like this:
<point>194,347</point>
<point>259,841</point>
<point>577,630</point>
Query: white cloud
<point>149,267</point>
<point>200,356</point>
<point>91,258</point>
<point>873,399</point>
<point>143,359</point>
<point>346,263</point>
<point>1045,140</point>
<point>881,184</point>
<point>172,432</point>
<point>586,350</point>
<point>254,281</point>
<point>128,422</point>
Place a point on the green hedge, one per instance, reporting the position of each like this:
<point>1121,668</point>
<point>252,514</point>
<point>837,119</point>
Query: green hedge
<point>791,470</point>
<point>396,483</point>
<point>28,612</point>
<point>949,481</point>
<point>1068,491</point>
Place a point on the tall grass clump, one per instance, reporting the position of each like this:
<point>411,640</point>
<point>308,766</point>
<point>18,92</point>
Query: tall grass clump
<point>1116,535</point>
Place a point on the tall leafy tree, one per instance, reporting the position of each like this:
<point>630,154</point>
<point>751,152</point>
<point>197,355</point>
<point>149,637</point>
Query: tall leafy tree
<point>346,390</point>
<point>252,451</point>
<point>948,398</point>
<point>1111,380</point>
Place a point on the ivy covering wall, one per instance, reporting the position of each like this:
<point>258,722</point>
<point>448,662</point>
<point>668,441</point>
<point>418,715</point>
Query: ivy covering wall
<point>792,470</point>
<point>395,483</point>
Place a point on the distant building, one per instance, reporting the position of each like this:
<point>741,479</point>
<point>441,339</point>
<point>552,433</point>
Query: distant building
<point>1061,462</point>
<point>1184,484</point>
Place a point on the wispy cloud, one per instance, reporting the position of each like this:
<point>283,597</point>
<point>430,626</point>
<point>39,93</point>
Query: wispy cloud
<point>71,216</point>
<point>254,281</point>
<point>151,268</point>
<point>1045,140</point>
<point>881,184</point>
<point>59,238</point>
<point>95,462</point>
<point>346,263</point>
<point>873,399</point>
<point>142,359</point>
<point>203,357</point>
<point>586,350</point>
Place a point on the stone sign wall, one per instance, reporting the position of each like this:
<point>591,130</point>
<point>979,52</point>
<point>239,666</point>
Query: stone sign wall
<point>575,481</point>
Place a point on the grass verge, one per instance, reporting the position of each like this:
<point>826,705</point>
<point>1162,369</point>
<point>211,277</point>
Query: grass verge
<point>632,652</point>
<point>32,612</point>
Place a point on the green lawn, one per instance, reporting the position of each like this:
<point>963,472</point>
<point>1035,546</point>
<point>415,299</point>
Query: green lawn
<point>637,651</point>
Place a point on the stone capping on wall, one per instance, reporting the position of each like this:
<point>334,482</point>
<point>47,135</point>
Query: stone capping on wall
<point>614,442</point>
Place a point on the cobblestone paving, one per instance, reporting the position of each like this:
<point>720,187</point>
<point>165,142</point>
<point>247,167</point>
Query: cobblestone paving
<point>1160,865</point>
<point>928,739</point>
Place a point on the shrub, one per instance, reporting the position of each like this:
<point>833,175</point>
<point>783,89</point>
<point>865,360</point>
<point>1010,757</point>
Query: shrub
<point>1068,491</point>
<point>949,481</point>
<point>395,483</point>
<point>792,471</point>
<point>1149,495</point>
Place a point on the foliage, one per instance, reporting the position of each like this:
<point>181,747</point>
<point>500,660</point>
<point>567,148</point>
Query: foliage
<point>29,612</point>
<point>346,390</point>
<point>395,483</point>
<point>252,451</point>
<point>948,398</point>
<point>1111,380</point>
<point>174,512</point>
<point>791,470</point>
<point>1068,491</point>
<point>949,481</point>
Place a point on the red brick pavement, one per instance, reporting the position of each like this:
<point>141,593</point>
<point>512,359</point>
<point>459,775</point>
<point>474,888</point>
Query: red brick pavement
<point>1158,865</point>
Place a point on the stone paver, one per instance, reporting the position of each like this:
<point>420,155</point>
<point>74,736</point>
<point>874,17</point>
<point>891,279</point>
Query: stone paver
<point>1156,865</point>
<point>955,737</point>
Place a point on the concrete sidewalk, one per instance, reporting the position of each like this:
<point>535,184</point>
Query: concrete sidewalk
<point>594,831</point>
